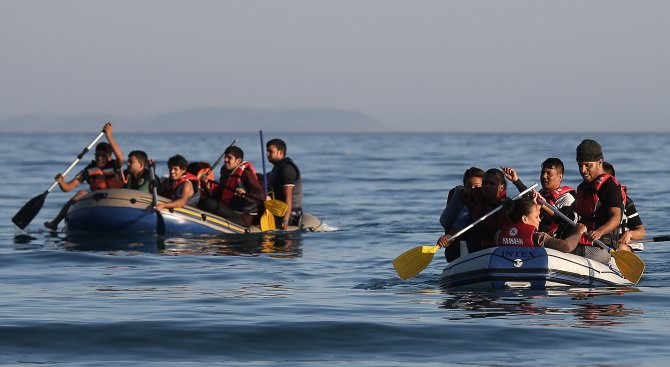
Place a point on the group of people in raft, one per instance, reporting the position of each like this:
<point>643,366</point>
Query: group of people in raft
<point>600,207</point>
<point>238,195</point>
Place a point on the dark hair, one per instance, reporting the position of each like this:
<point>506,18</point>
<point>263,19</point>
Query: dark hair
<point>140,155</point>
<point>498,173</point>
<point>554,163</point>
<point>104,147</point>
<point>515,209</point>
<point>235,151</point>
<point>178,161</point>
<point>278,143</point>
<point>609,168</point>
<point>472,172</point>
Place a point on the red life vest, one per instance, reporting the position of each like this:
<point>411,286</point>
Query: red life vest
<point>173,185</point>
<point>234,180</point>
<point>104,178</point>
<point>548,225</point>
<point>587,201</point>
<point>516,234</point>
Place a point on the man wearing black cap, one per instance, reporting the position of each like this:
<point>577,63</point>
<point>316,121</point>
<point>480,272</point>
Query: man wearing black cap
<point>599,202</point>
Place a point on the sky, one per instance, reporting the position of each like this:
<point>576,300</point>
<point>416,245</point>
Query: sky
<point>413,65</point>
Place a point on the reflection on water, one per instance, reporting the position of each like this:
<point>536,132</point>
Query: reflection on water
<point>275,245</point>
<point>568,307</point>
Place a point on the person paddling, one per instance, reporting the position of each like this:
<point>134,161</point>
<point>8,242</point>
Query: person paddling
<point>459,196</point>
<point>102,173</point>
<point>485,198</point>
<point>234,197</point>
<point>599,202</point>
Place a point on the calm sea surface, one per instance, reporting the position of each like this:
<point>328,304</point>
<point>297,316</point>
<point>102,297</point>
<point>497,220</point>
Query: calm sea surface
<point>314,299</point>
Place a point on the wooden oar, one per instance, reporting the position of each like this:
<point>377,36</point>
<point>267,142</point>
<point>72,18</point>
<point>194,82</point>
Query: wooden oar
<point>413,261</point>
<point>28,212</point>
<point>267,219</point>
<point>630,265</point>
<point>160,221</point>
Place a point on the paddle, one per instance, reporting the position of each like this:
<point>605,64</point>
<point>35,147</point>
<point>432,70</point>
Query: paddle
<point>24,216</point>
<point>630,265</point>
<point>276,207</point>
<point>662,238</point>
<point>413,261</point>
<point>160,222</point>
<point>267,219</point>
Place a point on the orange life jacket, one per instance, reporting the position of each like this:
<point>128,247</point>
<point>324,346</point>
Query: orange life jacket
<point>104,178</point>
<point>173,185</point>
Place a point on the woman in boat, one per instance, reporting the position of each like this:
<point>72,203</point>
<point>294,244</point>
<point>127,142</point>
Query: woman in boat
<point>182,187</point>
<point>523,217</point>
<point>484,199</point>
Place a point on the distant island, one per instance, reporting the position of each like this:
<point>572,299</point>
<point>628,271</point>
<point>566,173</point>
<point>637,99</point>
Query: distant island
<point>214,119</point>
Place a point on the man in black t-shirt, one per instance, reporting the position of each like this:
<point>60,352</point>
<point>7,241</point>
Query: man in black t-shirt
<point>285,182</point>
<point>599,201</point>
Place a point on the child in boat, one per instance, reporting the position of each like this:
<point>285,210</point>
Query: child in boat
<point>523,217</point>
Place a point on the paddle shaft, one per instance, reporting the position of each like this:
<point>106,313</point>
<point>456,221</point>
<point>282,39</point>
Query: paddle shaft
<point>265,176</point>
<point>79,157</point>
<point>485,216</point>
<point>568,220</point>
<point>662,238</point>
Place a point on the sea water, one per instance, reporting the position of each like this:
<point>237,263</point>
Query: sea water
<point>329,298</point>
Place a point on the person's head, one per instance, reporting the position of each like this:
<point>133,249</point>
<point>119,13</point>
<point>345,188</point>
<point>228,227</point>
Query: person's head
<point>551,174</point>
<point>177,165</point>
<point>494,186</point>
<point>276,150</point>
<point>198,169</point>
<point>590,159</point>
<point>103,154</point>
<point>472,178</point>
<point>609,168</point>
<point>137,161</point>
<point>523,210</point>
<point>232,157</point>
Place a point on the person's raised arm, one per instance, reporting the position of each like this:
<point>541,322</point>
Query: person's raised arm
<point>107,129</point>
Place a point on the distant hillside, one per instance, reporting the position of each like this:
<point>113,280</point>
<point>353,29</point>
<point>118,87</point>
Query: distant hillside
<point>206,119</point>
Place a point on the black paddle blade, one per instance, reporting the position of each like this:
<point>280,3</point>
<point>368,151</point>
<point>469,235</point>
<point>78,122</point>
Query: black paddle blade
<point>29,211</point>
<point>160,224</point>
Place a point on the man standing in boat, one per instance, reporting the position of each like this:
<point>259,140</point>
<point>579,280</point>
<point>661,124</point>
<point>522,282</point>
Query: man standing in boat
<point>285,182</point>
<point>102,173</point>
<point>599,202</point>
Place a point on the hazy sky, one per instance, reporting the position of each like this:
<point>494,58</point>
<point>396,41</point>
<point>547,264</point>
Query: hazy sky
<point>414,65</point>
